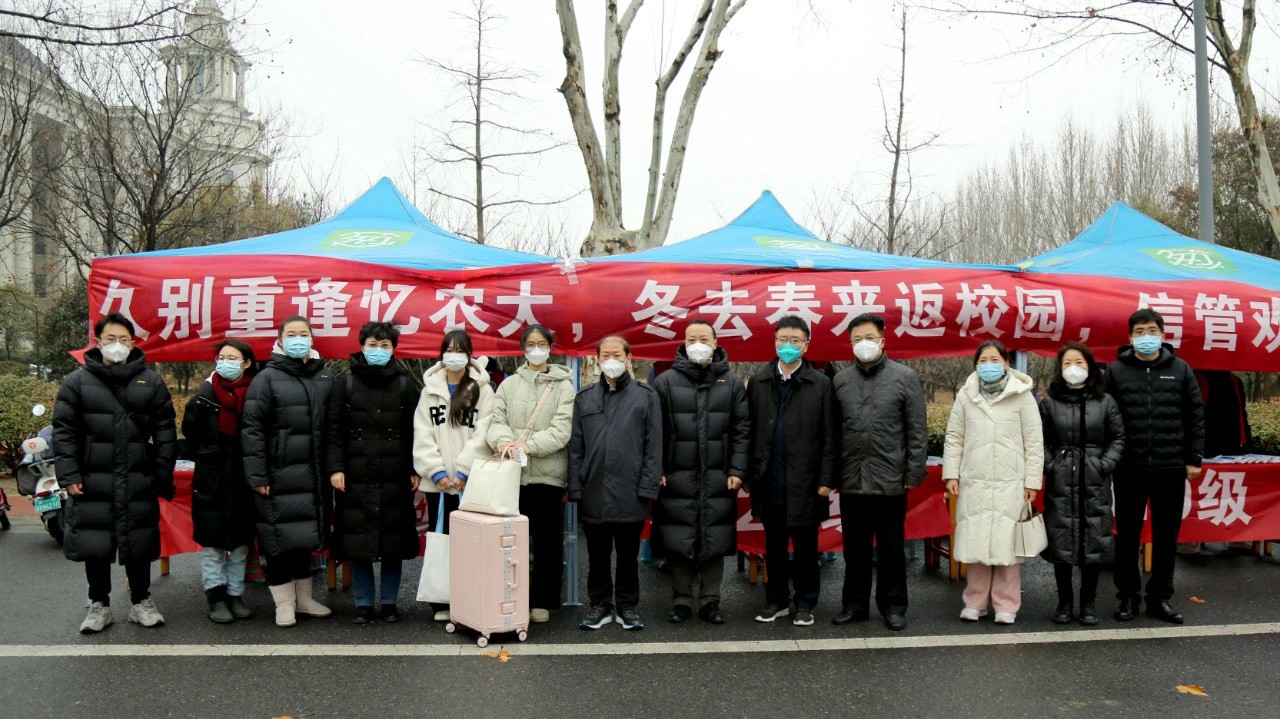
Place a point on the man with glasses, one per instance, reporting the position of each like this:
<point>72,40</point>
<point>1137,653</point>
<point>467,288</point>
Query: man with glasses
<point>792,463</point>
<point>1163,415</point>
<point>883,451</point>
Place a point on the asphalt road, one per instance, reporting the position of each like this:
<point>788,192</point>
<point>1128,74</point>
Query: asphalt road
<point>938,667</point>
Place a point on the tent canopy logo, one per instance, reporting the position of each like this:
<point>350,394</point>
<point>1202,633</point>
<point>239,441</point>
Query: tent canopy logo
<point>364,239</point>
<point>793,243</point>
<point>1193,258</point>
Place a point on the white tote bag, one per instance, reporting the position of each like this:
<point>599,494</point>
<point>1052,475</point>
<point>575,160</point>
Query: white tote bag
<point>1030,537</point>
<point>493,486</point>
<point>433,586</point>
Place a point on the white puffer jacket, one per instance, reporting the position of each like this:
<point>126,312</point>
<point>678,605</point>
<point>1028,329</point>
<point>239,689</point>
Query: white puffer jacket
<point>996,450</point>
<point>439,446</point>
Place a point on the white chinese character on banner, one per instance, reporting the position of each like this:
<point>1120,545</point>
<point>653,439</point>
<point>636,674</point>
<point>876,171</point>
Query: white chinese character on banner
<point>458,297</point>
<point>1267,315</point>
<point>1170,308</point>
<point>793,299</point>
<point>253,306</point>
<point>525,302</point>
<point>985,304</point>
<point>184,304</point>
<point>728,323</point>
<point>122,296</point>
<point>661,313</point>
<point>1220,318</point>
<point>325,307</point>
<point>1042,314</point>
<point>925,320</point>
<point>855,299</point>
<point>1222,498</point>
<point>383,306</point>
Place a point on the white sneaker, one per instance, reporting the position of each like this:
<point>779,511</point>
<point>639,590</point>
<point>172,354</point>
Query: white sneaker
<point>442,615</point>
<point>970,614</point>
<point>1005,617</point>
<point>146,614</point>
<point>98,618</point>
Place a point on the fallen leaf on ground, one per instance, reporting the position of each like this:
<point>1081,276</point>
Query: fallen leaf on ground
<point>1192,689</point>
<point>502,656</point>
<point>1198,600</point>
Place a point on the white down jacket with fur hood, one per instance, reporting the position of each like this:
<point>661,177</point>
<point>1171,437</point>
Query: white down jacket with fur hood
<point>439,446</point>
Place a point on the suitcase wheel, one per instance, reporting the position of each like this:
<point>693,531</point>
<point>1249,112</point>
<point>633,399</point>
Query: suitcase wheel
<point>522,635</point>
<point>482,641</point>
<point>450,628</point>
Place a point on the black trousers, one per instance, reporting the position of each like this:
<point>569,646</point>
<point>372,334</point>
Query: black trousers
<point>602,541</point>
<point>800,569</point>
<point>1088,582</point>
<point>98,572</point>
<point>867,522</point>
<point>288,567</point>
<point>1166,491</point>
<point>543,504</point>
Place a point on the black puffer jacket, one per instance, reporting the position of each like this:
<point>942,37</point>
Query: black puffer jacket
<point>1083,441</point>
<point>884,434</point>
<point>221,502</point>
<point>370,440</point>
<point>1162,410</point>
<point>706,432</point>
<point>282,440</point>
<point>615,451</point>
<point>812,423</point>
<point>121,451</point>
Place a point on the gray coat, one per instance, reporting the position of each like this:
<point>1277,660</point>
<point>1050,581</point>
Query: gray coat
<point>884,433</point>
<point>615,451</point>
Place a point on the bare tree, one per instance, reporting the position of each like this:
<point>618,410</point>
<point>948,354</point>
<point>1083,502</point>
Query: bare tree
<point>1160,27</point>
<point>608,234</point>
<point>140,22</point>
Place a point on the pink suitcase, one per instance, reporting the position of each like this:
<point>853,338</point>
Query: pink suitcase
<point>488,574</point>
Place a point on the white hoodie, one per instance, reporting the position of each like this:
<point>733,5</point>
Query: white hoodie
<point>439,446</point>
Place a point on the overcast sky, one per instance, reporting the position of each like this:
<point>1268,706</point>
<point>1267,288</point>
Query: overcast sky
<point>792,104</point>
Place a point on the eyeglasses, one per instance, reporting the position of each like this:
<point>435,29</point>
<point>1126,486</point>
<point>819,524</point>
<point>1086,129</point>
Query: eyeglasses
<point>223,358</point>
<point>793,341</point>
<point>1152,332</point>
<point>536,346</point>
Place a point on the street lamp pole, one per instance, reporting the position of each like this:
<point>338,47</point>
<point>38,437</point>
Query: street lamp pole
<point>1203,134</point>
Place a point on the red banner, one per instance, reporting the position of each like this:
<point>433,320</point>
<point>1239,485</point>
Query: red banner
<point>179,313</point>
<point>1230,503</point>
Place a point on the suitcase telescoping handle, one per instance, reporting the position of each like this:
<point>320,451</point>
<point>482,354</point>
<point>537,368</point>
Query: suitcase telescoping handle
<point>513,583</point>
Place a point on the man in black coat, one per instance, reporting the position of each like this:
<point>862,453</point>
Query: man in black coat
<point>706,431</point>
<point>883,451</point>
<point>791,469</point>
<point>115,442</point>
<point>1164,446</point>
<point>615,466</point>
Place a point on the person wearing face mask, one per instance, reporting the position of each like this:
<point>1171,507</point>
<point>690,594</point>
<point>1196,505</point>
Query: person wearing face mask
<point>114,445</point>
<point>993,464</point>
<point>615,469</point>
<point>1083,442</point>
<point>222,517</point>
<point>369,463</point>
<point>283,442</point>
<point>1163,413</point>
<point>533,413</point>
<point>791,469</point>
<point>883,453</point>
<point>450,427</point>
<point>706,431</point>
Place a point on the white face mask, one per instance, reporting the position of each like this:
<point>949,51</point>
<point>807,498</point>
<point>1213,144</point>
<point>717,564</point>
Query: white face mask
<point>454,361</point>
<point>537,357</point>
<point>866,350</point>
<point>699,352</point>
<point>613,369</point>
<point>115,352</point>
<point>1075,374</point>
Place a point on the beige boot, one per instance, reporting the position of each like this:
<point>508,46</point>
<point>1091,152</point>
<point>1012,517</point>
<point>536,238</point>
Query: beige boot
<point>307,606</point>
<point>286,602</point>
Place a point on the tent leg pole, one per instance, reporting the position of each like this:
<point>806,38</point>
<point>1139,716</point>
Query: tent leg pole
<point>571,580</point>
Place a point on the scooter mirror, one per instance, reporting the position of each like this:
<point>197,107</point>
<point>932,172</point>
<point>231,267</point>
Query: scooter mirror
<point>38,410</point>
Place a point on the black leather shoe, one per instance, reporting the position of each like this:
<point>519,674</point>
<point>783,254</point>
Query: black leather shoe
<point>1126,610</point>
<point>1088,615</point>
<point>896,622</point>
<point>364,615</point>
<point>710,613</point>
<point>1162,611</point>
<point>679,613</point>
<point>849,615</point>
<point>1063,613</point>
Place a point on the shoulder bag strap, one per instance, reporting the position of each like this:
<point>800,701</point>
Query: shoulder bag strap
<point>536,411</point>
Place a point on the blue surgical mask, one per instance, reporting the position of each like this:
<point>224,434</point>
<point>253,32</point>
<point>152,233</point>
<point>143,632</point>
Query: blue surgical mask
<point>1147,344</point>
<point>991,371</point>
<point>789,353</point>
<point>297,347</point>
<point>377,356</point>
<point>230,370</point>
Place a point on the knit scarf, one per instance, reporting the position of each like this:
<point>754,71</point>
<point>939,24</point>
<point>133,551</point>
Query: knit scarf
<point>231,396</point>
<point>992,390</point>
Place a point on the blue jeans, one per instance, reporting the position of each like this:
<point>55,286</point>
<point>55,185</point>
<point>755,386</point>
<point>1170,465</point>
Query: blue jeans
<point>362,580</point>
<point>219,567</point>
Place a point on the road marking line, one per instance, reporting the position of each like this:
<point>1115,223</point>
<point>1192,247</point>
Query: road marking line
<point>620,649</point>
